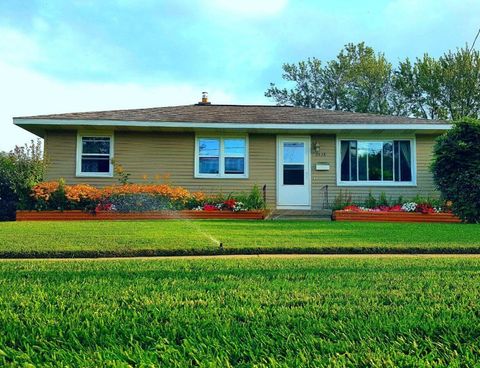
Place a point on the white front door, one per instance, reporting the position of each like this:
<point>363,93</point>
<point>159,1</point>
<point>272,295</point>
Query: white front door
<point>293,172</point>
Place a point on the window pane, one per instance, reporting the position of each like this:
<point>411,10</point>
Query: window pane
<point>353,160</point>
<point>234,165</point>
<point>95,164</point>
<point>405,161</point>
<point>375,161</point>
<point>388,161</point>
<point>234,147</point>
<point>99,145</point>
<point>362,160</point>
<point>345,169</point>
<point>396,155</point>
<point>208,165</point>
<point>293,153</point>
<point>293,175</point>
<point>209,147</point>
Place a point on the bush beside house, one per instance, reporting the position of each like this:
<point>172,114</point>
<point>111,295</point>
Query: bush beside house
<point>20,170</point>
<point>456,168</point>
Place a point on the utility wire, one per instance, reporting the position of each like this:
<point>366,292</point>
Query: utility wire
<point>475,40</point>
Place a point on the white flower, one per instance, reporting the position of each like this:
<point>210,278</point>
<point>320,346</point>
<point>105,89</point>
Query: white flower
<point>238,207</point>
<point>409,207</point>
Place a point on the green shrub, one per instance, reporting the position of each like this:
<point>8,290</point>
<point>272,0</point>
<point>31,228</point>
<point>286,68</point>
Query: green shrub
<point>8,200</point>
<point>342,200</point>
<point>371,201</point>
<point>382,200</point>
<point>20,170</point>
<point>456,168</point>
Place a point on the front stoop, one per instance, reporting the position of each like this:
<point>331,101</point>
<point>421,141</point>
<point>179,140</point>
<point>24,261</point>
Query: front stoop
<point>312,215</point>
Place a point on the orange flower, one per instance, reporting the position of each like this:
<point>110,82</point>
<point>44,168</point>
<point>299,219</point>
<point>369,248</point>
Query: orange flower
<point>44,190</point>
<point>78,192</point>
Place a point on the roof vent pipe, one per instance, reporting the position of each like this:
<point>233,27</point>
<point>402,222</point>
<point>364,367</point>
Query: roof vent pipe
<point>204,99</point>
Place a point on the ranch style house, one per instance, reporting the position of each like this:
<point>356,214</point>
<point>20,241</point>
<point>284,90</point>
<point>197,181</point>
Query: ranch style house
<point>303,157</point>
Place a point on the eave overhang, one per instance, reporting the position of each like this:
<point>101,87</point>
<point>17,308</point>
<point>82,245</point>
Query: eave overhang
<point>39,126</point>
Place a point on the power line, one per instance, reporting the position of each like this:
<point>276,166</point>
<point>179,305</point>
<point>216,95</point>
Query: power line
<point>475,40</point>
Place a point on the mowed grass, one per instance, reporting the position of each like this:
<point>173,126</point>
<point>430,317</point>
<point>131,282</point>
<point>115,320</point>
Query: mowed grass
<point>177,237</point>
<point>253,311</point>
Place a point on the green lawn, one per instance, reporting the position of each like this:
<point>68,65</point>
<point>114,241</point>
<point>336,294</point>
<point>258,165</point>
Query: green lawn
<point>71,239</point>
<point>289,312</point>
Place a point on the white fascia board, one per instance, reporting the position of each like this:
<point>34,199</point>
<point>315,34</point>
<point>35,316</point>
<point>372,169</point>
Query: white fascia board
<point>223,125</point>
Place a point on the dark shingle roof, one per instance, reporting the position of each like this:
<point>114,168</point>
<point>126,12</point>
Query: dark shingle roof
<point>261,114</point>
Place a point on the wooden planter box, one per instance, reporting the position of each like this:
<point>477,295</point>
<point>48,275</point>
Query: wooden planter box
<point>386,216</point>
<point>74,215</point>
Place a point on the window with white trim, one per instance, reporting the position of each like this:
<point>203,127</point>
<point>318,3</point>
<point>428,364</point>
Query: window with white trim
<point>222,157</point>
<point>374,161</point>
<point>94,155</point>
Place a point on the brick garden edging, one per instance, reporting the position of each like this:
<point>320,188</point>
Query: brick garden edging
<point>77,215</point>
<point>388,216</point>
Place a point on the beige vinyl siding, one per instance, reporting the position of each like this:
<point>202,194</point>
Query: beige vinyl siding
<point>157,155</point>
<point>424,187</point>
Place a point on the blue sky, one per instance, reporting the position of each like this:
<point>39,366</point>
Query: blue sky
<point>60,56</point>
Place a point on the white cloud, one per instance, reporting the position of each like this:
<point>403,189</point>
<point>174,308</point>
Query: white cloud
<point>17,48</point>
<point>249,8</point>
<point>25,92</point>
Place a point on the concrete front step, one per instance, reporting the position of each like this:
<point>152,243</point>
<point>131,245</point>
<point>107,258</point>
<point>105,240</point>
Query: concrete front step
<point>314,215</point>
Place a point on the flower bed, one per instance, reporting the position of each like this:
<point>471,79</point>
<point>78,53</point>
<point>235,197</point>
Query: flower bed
<point>58,201</point>
<point>75,215</point>
<point>407,212</point>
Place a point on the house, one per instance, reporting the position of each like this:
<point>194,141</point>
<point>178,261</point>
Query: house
<point>303,156</point>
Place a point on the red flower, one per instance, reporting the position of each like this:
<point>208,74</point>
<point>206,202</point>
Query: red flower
<point>210,207</point>
<point>425,208</point>
<point>230,203</point>
<point>396,208</point>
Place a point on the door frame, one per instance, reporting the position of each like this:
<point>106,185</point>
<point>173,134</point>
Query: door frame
<point>308,169</point>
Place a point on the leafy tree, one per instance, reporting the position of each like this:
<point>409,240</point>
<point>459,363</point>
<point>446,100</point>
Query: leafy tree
<point>357,80</point>
<point>20,170</point>
<point>456,168</point>
<point>447,88</point>
<point>360,80</point>
<point>418,88</point>
<point>460,77</point>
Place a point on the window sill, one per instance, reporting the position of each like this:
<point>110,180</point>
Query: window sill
<point>376,184</point>
<point>199,176</point>
<point>94,175</point>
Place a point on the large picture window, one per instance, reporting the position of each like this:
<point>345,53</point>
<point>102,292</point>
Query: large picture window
<point>222,157</point>
<point>94,155</point>
<point>372,161</point>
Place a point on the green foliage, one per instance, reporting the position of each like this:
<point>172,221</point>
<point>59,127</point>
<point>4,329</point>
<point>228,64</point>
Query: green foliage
<point>382,200</point>
<point>253,200</point>
<point>302,312</point>
<point>8,198</point>
<point>361,80</point>
<point>357,80</point>
<point>21,169</point>
<point>371,201</point>
<point>342,200</point>
<point>456,168</point>
<point>122,175</point>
